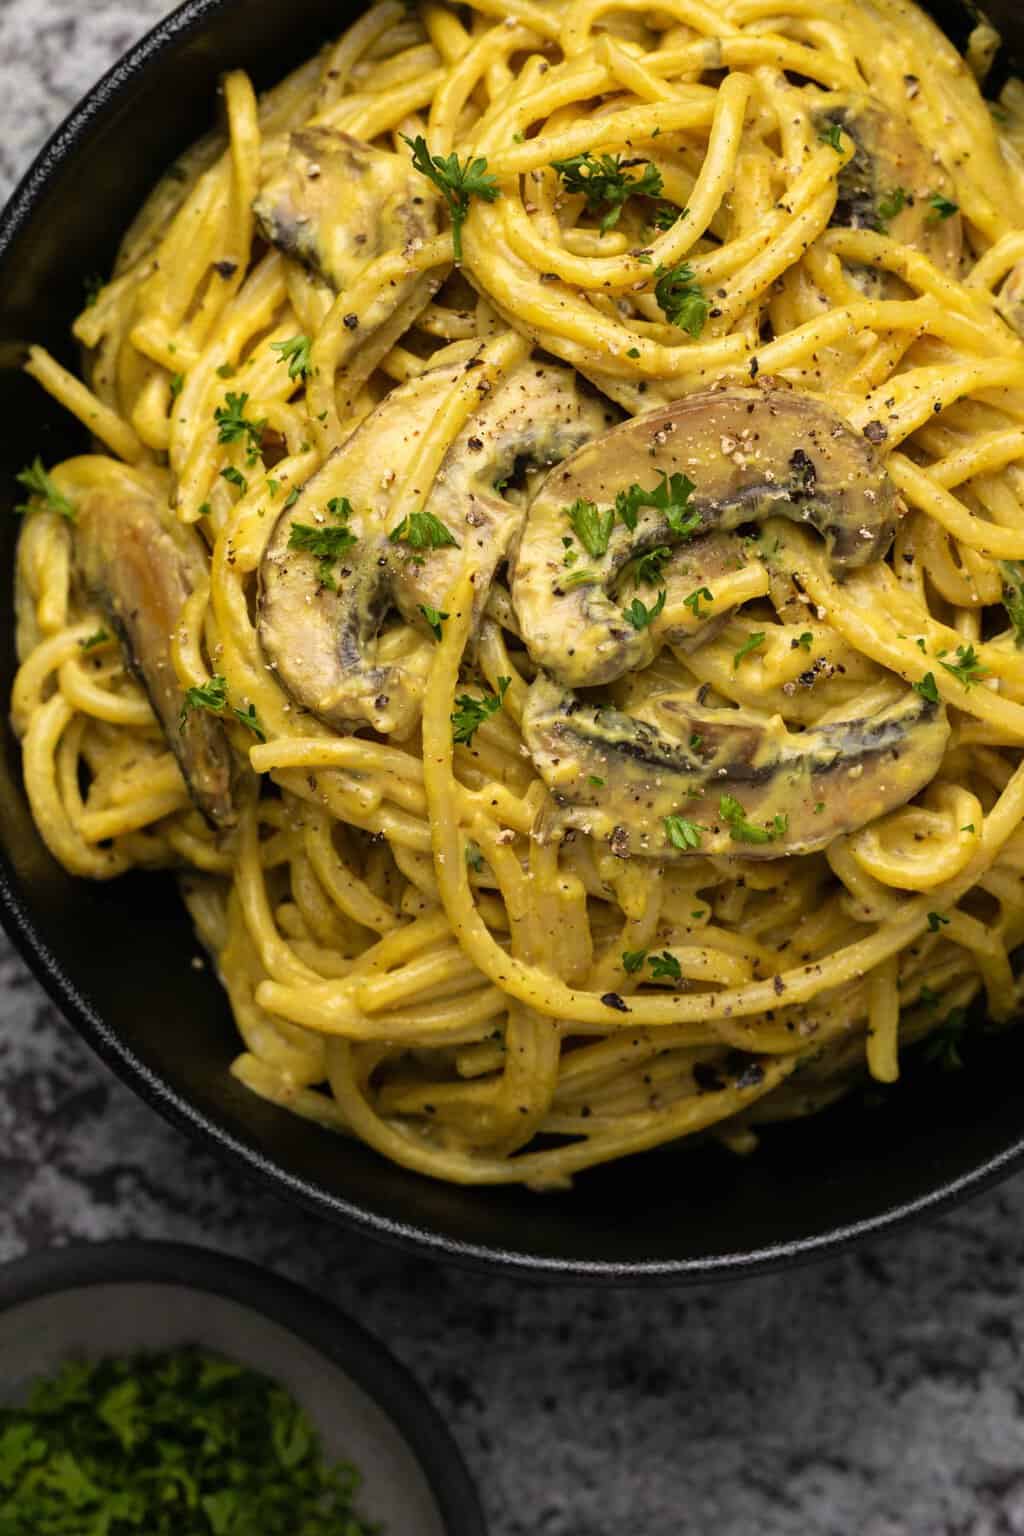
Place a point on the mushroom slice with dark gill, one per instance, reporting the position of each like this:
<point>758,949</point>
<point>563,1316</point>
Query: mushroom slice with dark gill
<point>744,786</point>
<point>320,624</point>
<point>140,564</point>
<point>889,186</point>
<point>334,204</point>
<point>750,454</point>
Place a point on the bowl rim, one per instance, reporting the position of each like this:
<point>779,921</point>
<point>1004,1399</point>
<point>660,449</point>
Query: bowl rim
<point>335,1335</point>
<point>69,138</point>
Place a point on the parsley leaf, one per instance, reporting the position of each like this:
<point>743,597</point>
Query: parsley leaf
<point>892,202</point>
<point>36,480</point>
<point>592,526</point>
<point>474,857</point>
<point>233,425</point>
<point>832,134</point>
<point>681,298</point>
<point>682,833</point>
<point>665,967</point>
<point>213,697</point>
<point>422,530</point>
<point>672,497</point>
<point>90,642</point>
<point>1013,597</point>
<point>470,712</point>
<point>235,477</point>
<point>667,215</point>
<point>693,602</point>
<point>942,208</point>
<point>927,688</point>
<point>751,643</point>
<point>648,566</point>
<point>632,960</point>
<point>434,617</point>
<point>296,351</point>
<point>177,385</point>
<point>326,542</point>
<point>638,613</point>
<point>743,831</point>
<point>968,668</point>
<point>937,921</point>
<point>604,183</point>
<point>806,640</point>
<point>457,181</point>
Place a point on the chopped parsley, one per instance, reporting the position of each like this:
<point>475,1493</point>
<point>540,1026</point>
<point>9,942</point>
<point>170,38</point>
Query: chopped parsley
<point>632,960</point>
<point>967,669</point>
<point>1013,597</point>
<point>226,371</point>
<point>892,203</point>
<point>422,530</point>
<point>474,857</point>
<point>942,208</point>
<point>672,497</point>
<point>93,285</point>
<point>681,298</point>
<point>592,526</point>
<point>665,967</point>
<point>743,831</point>
<point>751,643</point>
<point>326,542</point>
<point>292,497</point>
<point>668,215</point>
<point>234,426</point>
<point>640,616</point>
<point>604,183</point>
<point>90,642</point>
<point>927,688</point>
<point>596,780</point>
<point>470,712</point>
<point>177,385</point>
<point>682,833</point>
<point>435,617</point>
<point>167,1444</point>
<point>937,921</point>
<point>648,566</point>
<point>694,600</point>
<point>456,180</point>
<point>235,477</point>
<point>294,351</point>
<point>36,480</point>
<point>806,640</point>
<point>213,697</point>
<point>832,134</point>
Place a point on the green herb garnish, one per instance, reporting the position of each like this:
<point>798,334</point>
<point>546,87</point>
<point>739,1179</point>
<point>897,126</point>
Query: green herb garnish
<point>422,530</point>
<point>694,600</point>
<point>937,921</point>
<point>968,668</point>
<point>682,833</point>
<point>640,616</point>
<point>751,643</point>
<point>470,712</point>
<point>893,202</point>
<point>806,640</point>
<point>942,208</point>
<point>326,542</point>
<point>943,1045</point>
<point>456,180</point>
<point>632,960</point>
<point>234,426</point>
<point>434,617</point>
<point>1013,597</point>
<point>296,351</point>
<point>927,688</point>
<point>235,477</point>
<point>592,526</point>
<point>743,831</point>
<point>665,967</point>
<point>177,385</point>
<point>671,497</point>
<point>36,480</point>
<point>604,183</point>
<point>90,642</point>
<point>832,134</point>
<point>681,298</point>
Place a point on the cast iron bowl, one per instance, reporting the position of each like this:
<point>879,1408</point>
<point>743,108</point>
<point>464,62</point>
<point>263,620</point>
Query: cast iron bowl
<point>116,957</point>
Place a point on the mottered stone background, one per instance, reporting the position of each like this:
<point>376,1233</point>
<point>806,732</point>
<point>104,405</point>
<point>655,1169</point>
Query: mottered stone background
<point>880,1394</point>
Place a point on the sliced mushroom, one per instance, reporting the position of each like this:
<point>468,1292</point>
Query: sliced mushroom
<point>750,454</point>
<point>334,204</point>
<point>135,558</point>
<point>889,161</point>
<point>745,785</point>
<point>324,641</point>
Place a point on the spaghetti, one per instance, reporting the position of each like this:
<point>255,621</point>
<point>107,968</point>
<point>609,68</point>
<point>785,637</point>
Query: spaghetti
<point>550,572</point>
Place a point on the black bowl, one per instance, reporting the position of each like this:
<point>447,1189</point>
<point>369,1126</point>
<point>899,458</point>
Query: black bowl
<point>116,957</point>
<point>94,1300</point>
